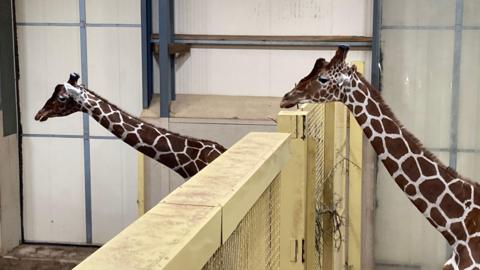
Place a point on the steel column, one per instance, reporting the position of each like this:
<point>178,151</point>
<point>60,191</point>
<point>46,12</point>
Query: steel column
<point>86,126</point>
<point>147,72</point>
<point>457,59</point>
<point>165,60</point>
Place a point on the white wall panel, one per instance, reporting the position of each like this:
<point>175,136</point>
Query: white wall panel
<point>273,17</point>
<point>115,68</point>
<point>114,187</point>
<point>113,11</point>
<point>469,109</point>
<point>401,225</point>
<point>58,11</point>
<point>468,165</point>
<point>53,189</point>
<point>47,55</point>
<point>470,12</point>
<point>418,13</point>
<point>249,72</point>
<point>418,86</point>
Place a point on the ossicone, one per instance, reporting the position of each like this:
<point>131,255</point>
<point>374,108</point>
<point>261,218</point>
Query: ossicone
<point>73,79</point>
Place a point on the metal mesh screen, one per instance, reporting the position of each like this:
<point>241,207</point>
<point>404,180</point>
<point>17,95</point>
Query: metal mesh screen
<point>255,243</point>
<point>315,133</point>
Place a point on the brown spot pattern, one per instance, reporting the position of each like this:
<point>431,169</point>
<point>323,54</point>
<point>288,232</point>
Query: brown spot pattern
<point>410,190</point>
<point>409,166</point>
<point>465,260</point>
<point>390,165</point>
<point>396,147</point>
<point>420,204</point>
<point>474,244</point>
<point>449,237</point>
<point>431,189</point>
<point>359,96</point>
<point>147,150</point>
<point>428,169</point>
<point>450,207</point>
<point>437,217</point>
<point>377,126</point>
<point>458,230</point>
<point>390,127</point>
<point>472,221</point>
<point>461,190</point>
<point>401,181</point>
<point>372,108</point>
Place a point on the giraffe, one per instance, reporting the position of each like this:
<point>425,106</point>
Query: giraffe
<point>450,202</point>
<point>185,155</point>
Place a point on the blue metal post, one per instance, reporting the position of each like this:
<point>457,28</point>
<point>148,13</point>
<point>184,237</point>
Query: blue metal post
<point>86,126</point>
<point>376,50</point>
<point>165,60</point>
<point>147,71</point>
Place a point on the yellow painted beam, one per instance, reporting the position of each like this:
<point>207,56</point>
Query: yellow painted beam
<point>185,229</point>
<point>164,238</point>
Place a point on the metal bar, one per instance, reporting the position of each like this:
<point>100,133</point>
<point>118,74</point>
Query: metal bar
<point>47,24</point>
<point>457,57</point>
<point>273,43</point>
<point>417,27</point>
<point>269,41</point>
<point>134,25</point>
<point>86,128</point>
<point>164,59</point>
<point>67,136</point>
<point>79,24</point>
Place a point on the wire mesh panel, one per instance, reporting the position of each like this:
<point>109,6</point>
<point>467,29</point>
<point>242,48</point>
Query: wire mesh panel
<point>315,132</point>
<point>255,243</point>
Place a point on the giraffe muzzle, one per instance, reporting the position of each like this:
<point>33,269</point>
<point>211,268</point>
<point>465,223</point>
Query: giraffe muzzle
<point>41,115</point>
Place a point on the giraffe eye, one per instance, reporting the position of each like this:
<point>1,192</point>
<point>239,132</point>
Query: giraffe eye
<point>323,79</point>
<point>62,98</point>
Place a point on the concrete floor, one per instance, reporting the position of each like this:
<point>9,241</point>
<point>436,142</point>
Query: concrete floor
<point>44,257</point>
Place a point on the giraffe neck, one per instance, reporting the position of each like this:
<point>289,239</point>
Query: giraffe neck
<point>436,190</point>
<point>184,155</point>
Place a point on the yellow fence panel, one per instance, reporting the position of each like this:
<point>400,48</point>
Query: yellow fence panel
<point>230,207</point>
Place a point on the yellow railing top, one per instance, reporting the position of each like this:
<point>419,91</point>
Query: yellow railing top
<point>184,229</point>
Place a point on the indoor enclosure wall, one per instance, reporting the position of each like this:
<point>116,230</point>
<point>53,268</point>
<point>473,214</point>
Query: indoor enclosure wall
<point>79,182</point>
<point>430,79</point>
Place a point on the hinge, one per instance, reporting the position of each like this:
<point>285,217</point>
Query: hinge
<point>303,250</point>
<point>300,127</point>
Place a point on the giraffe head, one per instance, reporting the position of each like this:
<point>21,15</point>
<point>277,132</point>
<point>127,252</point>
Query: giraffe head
<point>62,102</point>
<point>326,82</point>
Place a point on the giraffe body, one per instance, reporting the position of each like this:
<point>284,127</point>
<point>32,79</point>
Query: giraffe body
<point>448,201</point>
<point>184,155</point>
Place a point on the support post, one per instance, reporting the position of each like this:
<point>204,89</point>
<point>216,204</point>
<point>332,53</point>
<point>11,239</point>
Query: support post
<point>165,60</point>
<point>293,192</point>
<point>147,69</point>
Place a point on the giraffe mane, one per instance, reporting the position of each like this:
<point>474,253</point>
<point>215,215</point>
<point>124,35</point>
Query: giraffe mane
<point>387,111</point>
<point>151,125</point>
